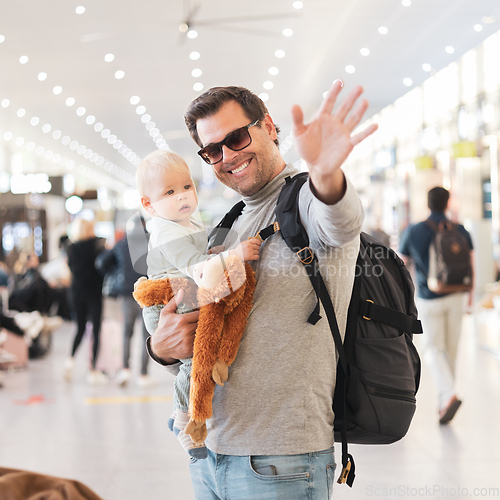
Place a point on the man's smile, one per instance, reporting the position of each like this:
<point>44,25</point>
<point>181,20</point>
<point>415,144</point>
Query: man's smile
<point>240,168</point>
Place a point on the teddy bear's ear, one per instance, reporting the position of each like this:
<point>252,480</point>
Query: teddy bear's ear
<point>139,281</point>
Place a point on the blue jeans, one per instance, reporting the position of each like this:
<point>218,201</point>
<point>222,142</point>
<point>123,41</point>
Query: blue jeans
<point>309,476</point>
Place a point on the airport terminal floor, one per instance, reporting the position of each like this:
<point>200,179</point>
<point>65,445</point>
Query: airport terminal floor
<point>115,440</point>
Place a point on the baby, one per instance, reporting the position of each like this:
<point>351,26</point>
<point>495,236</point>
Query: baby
<point>177,249</point>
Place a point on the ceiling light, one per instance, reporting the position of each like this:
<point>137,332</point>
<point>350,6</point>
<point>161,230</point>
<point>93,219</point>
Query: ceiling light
<point>81,149</point>
<point>23,59</point>
<point>35,121</point>
<point>140,110</point>
<point>273,70</point>
<point>30,146</point>
<point>90,119</point>
<point>298,5</point>
<point>73,204</point>
<point>56,134</point>
<point>21,112</point>
<point>406,3</point>
<point>42,76</point>
<point>66,140</point>
<point>70,101</point>
<point>194,56</point>
<point>364,51</point>
<point>80,9</point>
<point>145,118</point>
<point>7,136</point>
<point>111,139</point>
<point>117,144</point>
<point>383,30</point>
<point>478,27</point>
<point>49,154</point>
<point>87,154</point>
<point>350,68</point>
<point>73,145</point>
<point>46,128</point>
<point>2,39</point>
<point>119,74</point>
<point>150,126</point>
<point>196,72</point>
<point>426,67</point>
<point>56,158</point>
<point>5,103</point>
<point>264,97</point>
<point>192,34</point>
<point>105,133</point>
<point>449,49</point>
<point>408,82</point>
<point>98,127</point>
<point>268,85</point>
<point>40,150</point>
<point>57,89</point>
<point>70,164</point>
<point>135,100</point>
<point>198,86</point>
<point>154,132</point>
<point>109,57</point>
<point>288,32</point>
<point>20,141</point>
<point>280,53</point>
<point>81,111</point>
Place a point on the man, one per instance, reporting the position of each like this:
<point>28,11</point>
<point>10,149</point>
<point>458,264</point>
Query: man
<point>441,315</point>
<point>271,433</point>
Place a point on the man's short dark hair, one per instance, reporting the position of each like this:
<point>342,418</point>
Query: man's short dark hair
<point>210,102</point>
<point>437,199</point>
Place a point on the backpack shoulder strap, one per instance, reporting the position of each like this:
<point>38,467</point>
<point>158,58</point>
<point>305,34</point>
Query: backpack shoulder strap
<point>226,223</point>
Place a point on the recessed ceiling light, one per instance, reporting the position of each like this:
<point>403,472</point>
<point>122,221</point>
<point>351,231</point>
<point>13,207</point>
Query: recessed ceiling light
<point>81,149</point>
<point>280,53</point>
<point>268,85</point>
<point>87,154</point>
<point>73,145</point>
<point>408,82</point>
<point>23,59</point>
<point>66,140</point>
<point>42,76</point>
<point>30,146</point>
<point>49,154</point>
<point>56,158</point>
<point>194,56</point>
<point>109,57</point>
<point>406,3</point>
<point>119,74</point>
<point>46,128</point>
<point>196,72</point>
<point>298,5</point>
<point>350,69</point>
<point>56,134</point>
<point>5,103</point>
<point>264,97</point>
<point>111,139</point>
<point>20,141</point>
<point>288,32</point>
<point>198,86</point>
<point>2,38</point>
<point>40,150</point>
<point>145,118</point>
<point>135,100</point>
<point>478,27</point>
<point>150,125</point>
<point>80,9</point>
<point>449,49</point>
<point>273,70</point>
<point>7,136</point>
<point>70,101</point>
<point>383,30</point>
<point>81,111</point>
<point>57,89</point>
<point>21,112</point>
<point>90,119</point>
<point>35,121</point>
<point>105,133</point>
<point>140,110</point>
<point>192,34</point>
<point>426,67</point>
<point>98,127</point>
<point>364,51</point>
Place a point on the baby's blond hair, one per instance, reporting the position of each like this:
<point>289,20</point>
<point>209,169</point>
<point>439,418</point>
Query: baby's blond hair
<point>155,163</point>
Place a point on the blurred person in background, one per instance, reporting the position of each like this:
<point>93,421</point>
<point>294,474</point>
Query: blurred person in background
<point>86,293</point>
<point>120,277</point>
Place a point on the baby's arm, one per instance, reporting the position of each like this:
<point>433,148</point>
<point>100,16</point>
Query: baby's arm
<point>247,250</point>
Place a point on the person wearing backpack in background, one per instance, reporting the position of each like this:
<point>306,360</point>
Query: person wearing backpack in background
<point>271,433</point>
<point>442,254</point>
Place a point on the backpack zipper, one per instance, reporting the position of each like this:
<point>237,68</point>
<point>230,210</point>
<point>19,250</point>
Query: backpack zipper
<point>388,392</point>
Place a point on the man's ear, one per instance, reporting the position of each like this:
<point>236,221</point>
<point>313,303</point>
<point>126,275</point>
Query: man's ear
<point>269,126</point>
<point>147,205</point>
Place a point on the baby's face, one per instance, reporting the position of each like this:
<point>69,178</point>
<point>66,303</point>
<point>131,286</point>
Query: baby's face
<point>173,196</point>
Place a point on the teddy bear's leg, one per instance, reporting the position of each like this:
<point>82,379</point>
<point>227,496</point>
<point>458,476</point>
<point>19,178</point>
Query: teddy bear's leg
<point>197,430</point>
<point>206,345</point>
<point>220,372</point>
<point>235,322</point>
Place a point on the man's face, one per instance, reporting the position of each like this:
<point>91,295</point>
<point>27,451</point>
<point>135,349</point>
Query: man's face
<point>248,170</point>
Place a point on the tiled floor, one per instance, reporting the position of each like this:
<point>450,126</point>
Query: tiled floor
<point>122,449</point>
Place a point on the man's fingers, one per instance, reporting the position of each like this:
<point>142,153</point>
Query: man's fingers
<point>191,317</point>
<point>348,103</point>
<point>329,101</point>
<point>172,304</point>
<point>298,120</point>
<point>357,138</point>
<point>353,121</point>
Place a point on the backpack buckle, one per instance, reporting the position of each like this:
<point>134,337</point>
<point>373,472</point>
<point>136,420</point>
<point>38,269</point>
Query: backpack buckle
<point>308,258</point>
<point>364,317</point>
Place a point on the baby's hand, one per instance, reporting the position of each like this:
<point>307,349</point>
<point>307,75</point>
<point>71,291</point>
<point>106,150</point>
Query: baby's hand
<point>216,250</point>
<point>248,250</point>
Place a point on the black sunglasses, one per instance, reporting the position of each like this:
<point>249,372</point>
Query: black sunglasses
<point>236,141</point>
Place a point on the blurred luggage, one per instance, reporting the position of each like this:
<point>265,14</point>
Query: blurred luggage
<point>110,357</point>
<point>16,346</point>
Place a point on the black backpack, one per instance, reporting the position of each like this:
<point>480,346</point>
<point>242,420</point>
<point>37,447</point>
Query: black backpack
<point>378,372</point>
<point>450,263</point>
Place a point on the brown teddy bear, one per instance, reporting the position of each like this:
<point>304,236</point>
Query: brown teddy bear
<point>224,298</point>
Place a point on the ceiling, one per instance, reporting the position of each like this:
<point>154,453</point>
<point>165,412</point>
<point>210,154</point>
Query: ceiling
<point>236,41</point>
